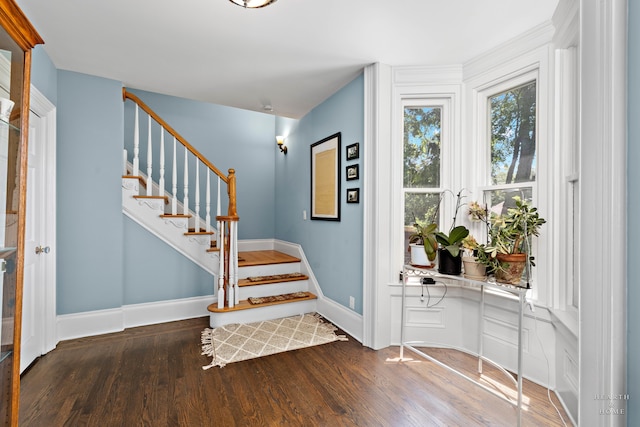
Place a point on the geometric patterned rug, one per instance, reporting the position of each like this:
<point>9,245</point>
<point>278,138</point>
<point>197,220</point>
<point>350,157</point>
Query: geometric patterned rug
<point>236,342</point>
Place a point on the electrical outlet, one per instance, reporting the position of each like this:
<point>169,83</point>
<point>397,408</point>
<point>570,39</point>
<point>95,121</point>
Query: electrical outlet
<point>304,215</point>
<point>352,303</point>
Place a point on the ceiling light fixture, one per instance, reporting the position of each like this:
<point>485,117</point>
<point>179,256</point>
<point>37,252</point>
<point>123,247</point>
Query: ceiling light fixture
<point>253,4</point>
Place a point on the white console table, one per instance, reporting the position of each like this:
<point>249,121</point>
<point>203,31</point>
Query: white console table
<point>419,273</point>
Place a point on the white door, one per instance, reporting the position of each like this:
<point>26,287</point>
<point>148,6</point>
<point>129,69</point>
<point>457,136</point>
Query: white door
<point>33,303</point>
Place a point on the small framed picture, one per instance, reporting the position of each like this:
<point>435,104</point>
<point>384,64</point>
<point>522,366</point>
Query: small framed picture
<point>353,151</point>
<point>353,195</point>
<point>352,172</point>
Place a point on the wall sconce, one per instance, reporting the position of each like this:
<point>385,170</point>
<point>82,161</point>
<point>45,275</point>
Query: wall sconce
<point>253,4</point>
<point>281,146</point>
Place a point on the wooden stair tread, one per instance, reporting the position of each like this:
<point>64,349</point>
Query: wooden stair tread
<point>246,305</point>
<point>247,282</point>
<point>175,216</point>
<point>198,233</point>
<point>267,257</point>
<point>213,250</point>
<point>165,198</point>
<point>138,177</point>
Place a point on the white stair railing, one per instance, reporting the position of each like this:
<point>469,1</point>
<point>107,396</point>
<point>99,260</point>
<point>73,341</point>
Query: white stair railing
<point>174,183</point>
<point>227,226</point>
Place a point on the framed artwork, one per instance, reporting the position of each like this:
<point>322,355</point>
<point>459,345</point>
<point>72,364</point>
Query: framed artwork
<point>353,195</point>
<point>353,172</point>
<point>353,151</point>
<point>325,178</point>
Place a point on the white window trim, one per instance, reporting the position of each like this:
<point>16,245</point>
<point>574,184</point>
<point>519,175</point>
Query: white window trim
<point>445,141</point>
<point>449,145</point>
<point>568,165</point>
<point>535,65</point>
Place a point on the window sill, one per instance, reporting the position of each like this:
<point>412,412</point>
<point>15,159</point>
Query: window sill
<point>568,319</point>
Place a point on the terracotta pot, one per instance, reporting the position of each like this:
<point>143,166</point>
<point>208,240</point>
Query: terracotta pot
<point>473,269</point>
<point>511,268</point>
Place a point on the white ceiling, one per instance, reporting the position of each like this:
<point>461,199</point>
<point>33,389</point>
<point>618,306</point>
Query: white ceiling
<point>291,55</point>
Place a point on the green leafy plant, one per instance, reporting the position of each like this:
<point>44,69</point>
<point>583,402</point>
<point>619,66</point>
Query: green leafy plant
<point>473,248</point>
<point>453,241</point>
<point>511,233</point>
<point>425,235</point>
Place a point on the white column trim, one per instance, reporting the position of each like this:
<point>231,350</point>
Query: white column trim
<point>45,109</point>
<point>603,306</point>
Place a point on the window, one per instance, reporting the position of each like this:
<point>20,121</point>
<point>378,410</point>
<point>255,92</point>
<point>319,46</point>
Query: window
<point>512,136</point>
<point>511,144</point>
<point>422,134</point>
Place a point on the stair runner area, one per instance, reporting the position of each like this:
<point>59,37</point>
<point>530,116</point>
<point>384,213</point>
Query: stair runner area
<point>270,285</point>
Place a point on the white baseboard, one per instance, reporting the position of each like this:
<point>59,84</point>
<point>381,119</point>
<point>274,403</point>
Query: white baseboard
<point>347,320</point>
<point>78,325</point>
<point>152,313</point>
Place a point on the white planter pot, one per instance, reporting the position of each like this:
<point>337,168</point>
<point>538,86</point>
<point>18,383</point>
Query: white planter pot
<point>419,256</point>
<point>473,269</point>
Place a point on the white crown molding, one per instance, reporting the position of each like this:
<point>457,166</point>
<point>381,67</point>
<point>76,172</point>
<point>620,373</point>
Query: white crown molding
<point>506,52</point>
<point>566,20</point>
<point>412,75</point>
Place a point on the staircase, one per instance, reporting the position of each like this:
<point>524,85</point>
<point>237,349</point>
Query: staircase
<point>254,284</point>
<point>266,273</point>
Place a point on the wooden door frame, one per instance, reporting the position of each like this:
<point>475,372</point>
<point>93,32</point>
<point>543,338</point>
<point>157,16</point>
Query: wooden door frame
<point>46,110</point>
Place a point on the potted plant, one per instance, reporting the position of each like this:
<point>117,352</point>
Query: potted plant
<point>449,252</point>
<point>422,244</point>
<point>510,237</point>
<point>474,259</point>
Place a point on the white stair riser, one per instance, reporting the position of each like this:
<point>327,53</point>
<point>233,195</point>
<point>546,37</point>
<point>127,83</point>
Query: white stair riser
<point>268,270</point>
<point>260,314</point>
<point>171,230</point>
<point>273,289</point>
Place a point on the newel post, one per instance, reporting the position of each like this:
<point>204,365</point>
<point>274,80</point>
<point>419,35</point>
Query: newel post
<point>231,190</point>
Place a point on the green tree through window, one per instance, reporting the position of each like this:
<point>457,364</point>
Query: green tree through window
<point>421,172</point>
<point>513,135</point>
<point>422,147</point>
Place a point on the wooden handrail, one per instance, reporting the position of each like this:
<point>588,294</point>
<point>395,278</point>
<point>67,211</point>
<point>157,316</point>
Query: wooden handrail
<point>128,95</point>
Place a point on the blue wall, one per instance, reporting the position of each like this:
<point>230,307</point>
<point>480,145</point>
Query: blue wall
<point>154,271</point>
<point>633,212</point>
<point>89,195</point>
<point>44,74</point>
<point>334,249</point>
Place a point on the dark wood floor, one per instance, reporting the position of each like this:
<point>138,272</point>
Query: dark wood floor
<point>152,376</point>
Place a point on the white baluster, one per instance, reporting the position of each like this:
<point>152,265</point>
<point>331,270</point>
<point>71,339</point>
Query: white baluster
<point>185,202</point>
<point>231,298</point>
<point>124,162</point>
<point>221,295</point>
<point>149,159</point>
<point>136,145</point>
<point>207,218</point>
<point>197,219</point>
<point>161,180</point>
<point>233,262</point>
<point>174,182</point>
<point>218,207</point>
